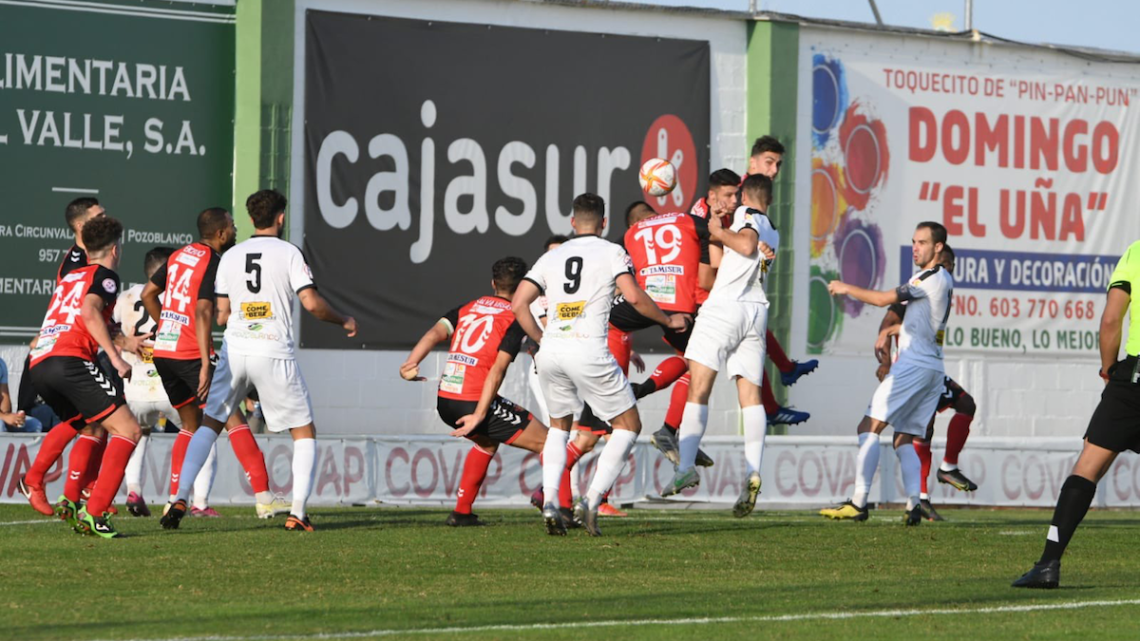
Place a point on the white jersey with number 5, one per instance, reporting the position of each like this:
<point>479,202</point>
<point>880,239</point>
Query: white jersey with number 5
<point>145,385</point>
<point>261,277</point>
<point>745,278</point>
<point>578,279</point>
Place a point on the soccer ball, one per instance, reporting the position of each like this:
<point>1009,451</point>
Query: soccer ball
<point>658,177</point>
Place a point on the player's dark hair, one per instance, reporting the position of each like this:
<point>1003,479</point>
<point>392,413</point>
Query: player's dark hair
<point>156,258</point>
<point>946,251</point>
<point>758,188</point>
<point>767,143</point>
<point>211,221</point>
<point>634,205</point>
<point>100,234</point>
<point>507,273</point>
<point>556,239</point>
<point>937,231</point>
<point>724,178</point>
<point>589,206</point>
<point>263,207</point>
<point>77,209</point>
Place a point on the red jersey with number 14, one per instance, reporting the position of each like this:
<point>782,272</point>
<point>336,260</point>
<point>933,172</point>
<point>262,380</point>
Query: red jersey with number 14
<point>667,251</point>
<point>479,331</point>
<point>64,333</point>
<point>185,279</point>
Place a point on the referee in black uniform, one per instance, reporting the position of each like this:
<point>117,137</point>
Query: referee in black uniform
<point>1114,427</point>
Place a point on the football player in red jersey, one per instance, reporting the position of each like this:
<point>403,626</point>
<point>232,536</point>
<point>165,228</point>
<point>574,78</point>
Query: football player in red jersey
<point>64,372</point>
<point>180,299</point>
<point>485,338</point>
<point>87,454</point>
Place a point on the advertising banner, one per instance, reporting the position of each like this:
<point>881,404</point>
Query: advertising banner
<point>432,149</point>
<point>1029,165</point>
<point>131,105</point>
<point>798,471</point>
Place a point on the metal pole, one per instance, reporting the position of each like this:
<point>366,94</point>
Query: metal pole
<point>752,6</point>
<point>875,10</point>
<point>969,15</point>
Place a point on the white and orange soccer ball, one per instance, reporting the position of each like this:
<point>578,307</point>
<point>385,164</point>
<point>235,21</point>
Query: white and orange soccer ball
<point>657,176</point>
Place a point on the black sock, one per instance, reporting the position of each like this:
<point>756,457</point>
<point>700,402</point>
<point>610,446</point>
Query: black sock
<point>1076,496</point>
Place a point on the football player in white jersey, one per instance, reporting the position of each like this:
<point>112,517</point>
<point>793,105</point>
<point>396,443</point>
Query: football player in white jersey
<point>908,395</point>
<point>257,283</point>
<point>146,396</point>
<point>574,362</point>
<point>730,333</point>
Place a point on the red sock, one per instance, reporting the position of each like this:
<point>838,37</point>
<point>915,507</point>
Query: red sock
<point>677,403</point>
<point>565,490</point>
<point>50,450</point>
<point>177,455</point>
<point>250,457</point>
<point>91,474</point>
<point>668,372</point>
<point>115,460</point>
<point>474,471</point>
<point>956,437</point>
<point>77,465</point>
<point>922,447</point>
<point>776,354</point>
<point>768,398</point>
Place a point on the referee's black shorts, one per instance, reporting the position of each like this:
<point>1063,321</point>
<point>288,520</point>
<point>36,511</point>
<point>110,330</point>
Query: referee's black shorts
<point>1115,425</point>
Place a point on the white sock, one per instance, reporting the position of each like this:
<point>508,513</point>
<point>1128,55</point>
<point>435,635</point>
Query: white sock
<point>911,469</point>
<point>135,465</point>
<point>694,421</point>
<point>553,463</point>
<point>610,462</point>
<point>205,480</point>
<point>201,444</point>
<point>755,426</point>
<point>304,471</point>
<point>923,496</point>
<point>866,464</point>
<point>947,467</point>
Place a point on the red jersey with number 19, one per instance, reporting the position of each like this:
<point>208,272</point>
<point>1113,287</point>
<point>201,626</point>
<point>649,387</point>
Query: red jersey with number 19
<point>479,331</point>
<point>667,251</point>
<point>185,279</point>
<point>64,333</point>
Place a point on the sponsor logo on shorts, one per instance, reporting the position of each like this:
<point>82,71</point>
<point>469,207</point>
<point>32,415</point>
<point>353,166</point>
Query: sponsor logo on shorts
<point>569,311</point>
<point>257,311</point>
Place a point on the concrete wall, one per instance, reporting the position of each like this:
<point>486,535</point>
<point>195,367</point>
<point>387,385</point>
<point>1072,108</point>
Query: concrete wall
<point>361,392</point>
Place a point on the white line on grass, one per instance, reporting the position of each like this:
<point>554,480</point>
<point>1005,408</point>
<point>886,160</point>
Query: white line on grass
<point>810,616</point>
<point>35,522</point>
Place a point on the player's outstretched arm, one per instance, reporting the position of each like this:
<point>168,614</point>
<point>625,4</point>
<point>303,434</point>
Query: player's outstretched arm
<point>150,300</point>
<point>491,385</point>
<point>316,305</point>
<point>869,296</point>
<point>526,294</point>
<point>410,370</point>
<point>91,310</point>
<point>1112,327</point>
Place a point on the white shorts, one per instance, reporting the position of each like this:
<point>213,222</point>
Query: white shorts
<point>732,334</point>
<point>280,387</point>
<point>148,412</point>
<point>907,398</point>
<point>570,378</point>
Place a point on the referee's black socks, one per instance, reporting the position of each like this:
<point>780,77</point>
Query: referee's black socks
<point>1072,505</point>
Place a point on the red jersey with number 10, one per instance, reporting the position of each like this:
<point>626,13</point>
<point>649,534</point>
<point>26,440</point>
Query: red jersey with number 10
<point>64,333</point>
<point>185,279</point>
<point>479,331</point>
<point>667,251</point>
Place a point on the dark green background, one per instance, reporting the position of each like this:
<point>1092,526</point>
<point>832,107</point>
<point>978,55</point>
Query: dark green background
<point>153,192</point>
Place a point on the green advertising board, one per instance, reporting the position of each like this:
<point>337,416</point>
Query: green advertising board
<point>130,103</point>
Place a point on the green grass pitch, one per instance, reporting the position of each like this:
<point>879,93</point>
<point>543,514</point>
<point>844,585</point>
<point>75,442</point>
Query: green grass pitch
<point>400,573</point>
